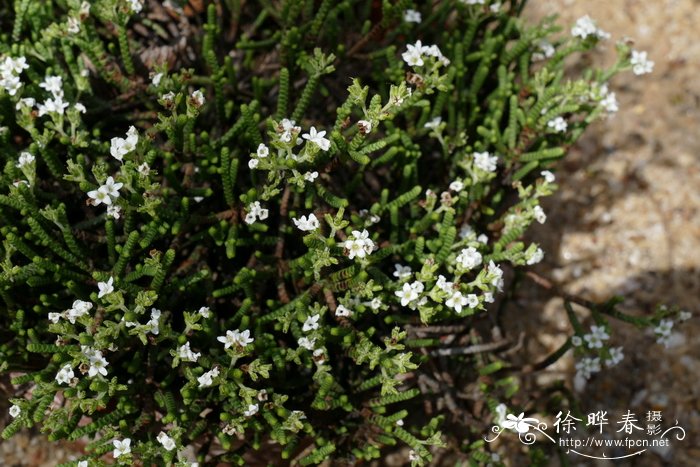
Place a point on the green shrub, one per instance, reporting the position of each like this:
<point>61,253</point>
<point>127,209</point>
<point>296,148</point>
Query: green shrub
<point>224,239</point>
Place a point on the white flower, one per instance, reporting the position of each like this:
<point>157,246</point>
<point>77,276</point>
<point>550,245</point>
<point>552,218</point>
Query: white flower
<point>121,447</point>
<point>343,311</point>
<point>25,102</point>
<point>167,442</point>
<point>497,273</point>
<point>155,81</point>
<point>317,137</point>
<point>98,364</point>
<point>83,464</point>
<point>472,300</point>
<point>310,176</point>
<point>495,7</point>
<point>485,162</point>
<point>414,54</point>
<point>540,216</point>
<point>407,294</point>
<point>596,337</point>
<point>54,317</point>
<point>236,338</point>
<point>684,315</point>
<point>106,288</point>
<point>207,378</point>
<point>587,366</point>
<point>402,271</point>
<point>111,188</point>
<point>365,126</point>
<point>114,211</point>
<point>305,224</point>
<point>55,105</point>
<point>585,26</point>
<point>136,5</point>
<point>536,257</point>
<point>255,210</point>
<point>24,159</point>
<point>442,284</point>
<point>412,16</point>
<point>186,354</point>
<point>616,356</point>
<point>307,343</point>
<point>576,341</point>
<point>546,50</point>
<point>252,410</point>
<point>558,124</point>
<point>204,311</point>
<point>412,456</point>
<point>640,64</point>
<point>15,411</point>
<point>263,151</point>
<point>457,186</point>
<point>123,146</point>
<point>456,301</point>
<point>311,323</point>
<point>488,297</point>
<point>548,176</point>
<point>609,103</point>
<point>73,25</point>
<point>319,356</point>
<point>80,107</point>
<point>359,244</point>
<point>664,328</point>
<point>198,98</point>
<point>65,374</point>
<point>78,309</point>
<point>434,123</point>
<point>469,258</point>
<point>376,303</point>
<point>54,85</point>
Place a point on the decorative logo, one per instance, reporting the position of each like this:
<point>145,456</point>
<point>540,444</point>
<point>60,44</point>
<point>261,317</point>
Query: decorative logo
<point>635,438</point>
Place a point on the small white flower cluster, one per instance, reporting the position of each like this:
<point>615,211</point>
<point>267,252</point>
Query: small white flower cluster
<point>236,338</point>
<point>585,27</point>
<point>25,159</point>
<point>98,364</point>
<point>608,100</point>
<point>663,332</point>
<point>587,366</point>
<point>261,153</point>
<point>10,69</point>
<point>107,194</point>
<point>186,354</point>
<point>469,258</point>
<point>558,124</point>
<point>54,104</point>
<point>306,224</point>
<point>641,65</point>
<point>359,244</point>
<point>412,16</point>
<point>153,324</point>
<point>485,161</point>
<point>120,147</point>
<point>596,337</point>
<point>207,378</point>
<point>136,6</point>
<point>167,442</point>
<point>79,308</point>
<point>65,374</point>
<point>415,53</point>
<point>410,293</point>
<point>546,50</point>
<point>255,211</point>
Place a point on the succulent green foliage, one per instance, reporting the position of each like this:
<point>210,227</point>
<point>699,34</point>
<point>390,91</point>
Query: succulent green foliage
<point>160,209</point>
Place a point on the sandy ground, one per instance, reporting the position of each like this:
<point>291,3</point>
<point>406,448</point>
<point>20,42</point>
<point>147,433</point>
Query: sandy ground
<point>627,221</point>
